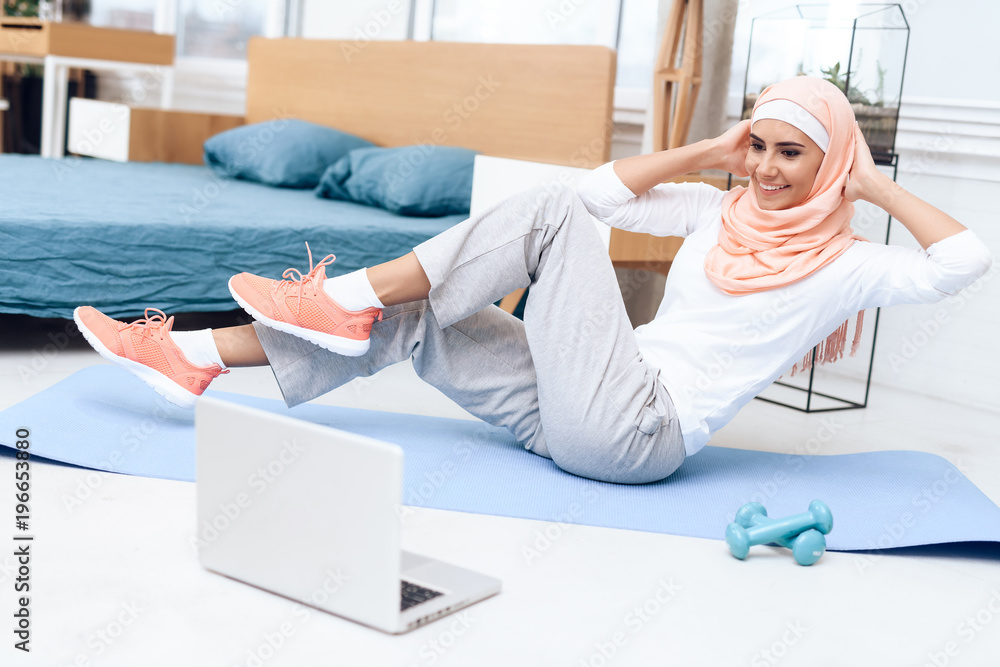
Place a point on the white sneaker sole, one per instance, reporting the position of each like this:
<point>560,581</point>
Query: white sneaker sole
<point>163,385</point>
<point>338,344</point>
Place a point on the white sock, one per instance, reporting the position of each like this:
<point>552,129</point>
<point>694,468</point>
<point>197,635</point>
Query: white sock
<point>198,346</point>
<point>352,291</point>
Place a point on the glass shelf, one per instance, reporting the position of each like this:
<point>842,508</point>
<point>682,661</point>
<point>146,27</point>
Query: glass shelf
<point>859,48</point>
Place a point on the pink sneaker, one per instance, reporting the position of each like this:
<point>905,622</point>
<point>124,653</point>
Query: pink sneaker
<point>145,348</point>
<point>300,306</point>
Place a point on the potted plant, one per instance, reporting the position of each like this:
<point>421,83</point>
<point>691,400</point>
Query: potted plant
<point>876,118</point>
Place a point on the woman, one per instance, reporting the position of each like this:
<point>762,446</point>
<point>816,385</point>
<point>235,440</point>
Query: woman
<point>765,274</point>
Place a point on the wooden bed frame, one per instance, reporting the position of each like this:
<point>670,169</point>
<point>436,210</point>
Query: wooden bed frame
<point>549,104</point>
<point>542,103</point>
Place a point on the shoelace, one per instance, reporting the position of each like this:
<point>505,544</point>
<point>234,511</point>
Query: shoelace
<point>158,322</point>
<point>290,279</point>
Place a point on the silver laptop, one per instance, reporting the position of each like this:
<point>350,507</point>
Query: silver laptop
<point>313,513</point>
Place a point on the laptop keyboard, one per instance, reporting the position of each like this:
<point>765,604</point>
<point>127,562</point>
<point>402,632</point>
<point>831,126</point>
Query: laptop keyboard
<point>414,595</point>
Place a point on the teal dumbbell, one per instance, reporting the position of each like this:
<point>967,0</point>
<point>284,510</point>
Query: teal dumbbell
<point>807,547</point>
<point>740,538</point>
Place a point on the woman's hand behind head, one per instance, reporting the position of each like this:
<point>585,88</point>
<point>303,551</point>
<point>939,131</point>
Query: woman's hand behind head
<point>731,149</point>
<point>865,178</point>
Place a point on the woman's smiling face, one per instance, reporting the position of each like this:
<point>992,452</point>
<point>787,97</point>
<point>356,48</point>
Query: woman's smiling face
<point>782,162</point>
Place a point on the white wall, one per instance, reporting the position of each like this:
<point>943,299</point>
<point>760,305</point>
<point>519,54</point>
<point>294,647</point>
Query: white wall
<point>949,146</point>
<point>950,116</point>
<point>947,349</point>
<point>953,49</point>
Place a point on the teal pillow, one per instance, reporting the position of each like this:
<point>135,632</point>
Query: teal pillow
<point>288,153</point>
<point>423,180</point>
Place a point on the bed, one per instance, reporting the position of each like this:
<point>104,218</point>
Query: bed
<point>171,235</point>
<point>123,236</point>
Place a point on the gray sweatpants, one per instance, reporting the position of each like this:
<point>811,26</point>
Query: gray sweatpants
<point>568,382</point>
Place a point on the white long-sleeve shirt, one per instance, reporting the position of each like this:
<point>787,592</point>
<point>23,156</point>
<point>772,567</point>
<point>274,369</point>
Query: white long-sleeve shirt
<point>716,351</point>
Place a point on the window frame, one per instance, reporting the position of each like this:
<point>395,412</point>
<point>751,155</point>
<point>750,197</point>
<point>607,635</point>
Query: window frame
<point>282,18</point>
<point>167,15</point>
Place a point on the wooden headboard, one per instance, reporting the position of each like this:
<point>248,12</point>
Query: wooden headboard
<point>544,103</point>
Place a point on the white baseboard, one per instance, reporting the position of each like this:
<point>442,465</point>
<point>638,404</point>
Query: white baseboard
<point>955,138</point>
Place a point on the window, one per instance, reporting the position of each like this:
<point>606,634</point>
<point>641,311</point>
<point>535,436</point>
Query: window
<point>525,21</point>
<point>218,28</point>
<point>638,43</point>
<point>127,14</point>
<point>358,20</point>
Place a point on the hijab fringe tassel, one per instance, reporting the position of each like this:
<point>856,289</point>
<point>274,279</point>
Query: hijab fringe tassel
<point>832,348</point>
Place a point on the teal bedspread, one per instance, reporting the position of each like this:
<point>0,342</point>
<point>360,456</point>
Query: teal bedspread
<point>122,237</point>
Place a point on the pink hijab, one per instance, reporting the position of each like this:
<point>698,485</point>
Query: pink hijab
<point>760,250</point>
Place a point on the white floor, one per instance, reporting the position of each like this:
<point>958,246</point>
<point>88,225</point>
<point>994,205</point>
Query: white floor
<point>114,581</point>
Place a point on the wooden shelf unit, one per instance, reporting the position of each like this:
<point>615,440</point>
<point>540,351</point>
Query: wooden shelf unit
<point>31,37</point>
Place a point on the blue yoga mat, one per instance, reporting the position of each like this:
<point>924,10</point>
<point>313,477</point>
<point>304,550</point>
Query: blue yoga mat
<point>104,418</point>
